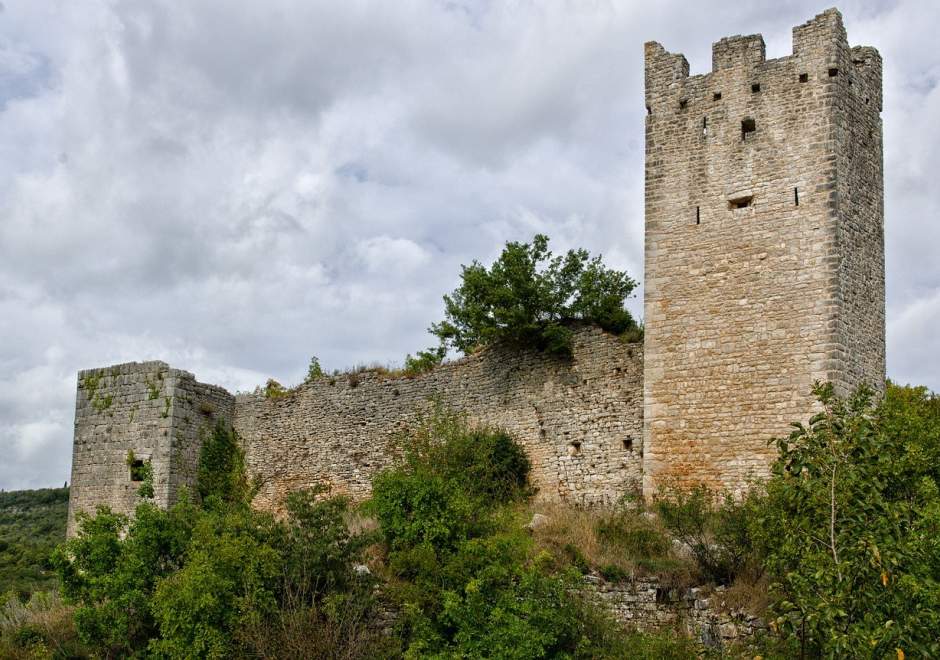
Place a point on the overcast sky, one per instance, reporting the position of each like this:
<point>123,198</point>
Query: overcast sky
<point>234,189</point>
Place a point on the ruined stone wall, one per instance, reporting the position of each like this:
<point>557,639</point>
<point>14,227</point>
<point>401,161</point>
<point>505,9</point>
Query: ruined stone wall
<point>759,248</point>
<point>648,605</point>
<point>158,413</point>
<point>580,420</point>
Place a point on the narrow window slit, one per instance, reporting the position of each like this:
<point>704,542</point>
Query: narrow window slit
<point>698,216</point>
<point>704,125</point>
<point>649,110</point>
<point>796,196</point>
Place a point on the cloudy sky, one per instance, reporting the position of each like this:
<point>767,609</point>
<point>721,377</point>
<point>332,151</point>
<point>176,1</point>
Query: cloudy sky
<point>235,187</point>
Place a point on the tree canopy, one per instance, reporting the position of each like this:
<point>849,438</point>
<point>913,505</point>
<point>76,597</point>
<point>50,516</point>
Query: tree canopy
<point>530,297</point>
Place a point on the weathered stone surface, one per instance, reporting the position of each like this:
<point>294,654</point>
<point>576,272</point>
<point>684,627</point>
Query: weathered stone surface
<point>580,422</point>
<point>746,307</point>
<point>646,604</point>
<point>158,413</point>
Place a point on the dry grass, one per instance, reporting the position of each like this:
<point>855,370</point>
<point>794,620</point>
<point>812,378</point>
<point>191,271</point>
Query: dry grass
<point>616,543</point>
<point>748,593</point>
<point>40,628</point>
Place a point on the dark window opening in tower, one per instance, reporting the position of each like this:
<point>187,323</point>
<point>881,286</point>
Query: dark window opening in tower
<point>698,216</point>
<point>628,443</point>
<point>748,126</point>
<point>704,125</point>
<point>796,196</point>
<point>716,96</point>
<point>137,470</point>
<point>741,202</point>
<point>683,103</point>
<point>833,73</point>
<point>804,77</point>
<point>755,88</point>
<point>649,110</point>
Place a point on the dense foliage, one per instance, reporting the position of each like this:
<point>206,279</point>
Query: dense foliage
<point>529,297</point>
<point>850,527</point>
<point>466,574</point>
<point>32,523</point>
<point>219,579</point>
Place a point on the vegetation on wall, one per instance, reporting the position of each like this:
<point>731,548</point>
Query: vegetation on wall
<point>529,296</point>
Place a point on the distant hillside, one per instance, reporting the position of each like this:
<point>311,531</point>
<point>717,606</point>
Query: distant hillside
<point>32,523</point>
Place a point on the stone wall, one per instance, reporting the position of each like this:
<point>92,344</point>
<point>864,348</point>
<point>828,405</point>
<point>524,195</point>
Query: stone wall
<point>646,604</point>
<point>580,420</point>
<point>764,251</point>
<point>158,413</point>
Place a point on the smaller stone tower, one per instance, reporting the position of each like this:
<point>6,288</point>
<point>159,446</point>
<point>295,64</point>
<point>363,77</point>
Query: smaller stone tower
<point>764,246</point>
<point>156,413</point>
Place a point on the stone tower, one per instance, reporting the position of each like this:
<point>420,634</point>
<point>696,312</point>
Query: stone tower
<point>764,246</point>
<point>136,413</point>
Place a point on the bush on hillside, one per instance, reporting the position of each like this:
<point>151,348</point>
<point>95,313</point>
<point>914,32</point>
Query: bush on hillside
<point>714,529</point>
<point>220,579</point>
<point>466,574</point>
<point>850,528</point>
<point>529,297</point>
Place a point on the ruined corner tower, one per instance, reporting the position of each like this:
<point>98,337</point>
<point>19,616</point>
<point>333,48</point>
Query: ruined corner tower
<point>764,246</point>
<point>137,413</point>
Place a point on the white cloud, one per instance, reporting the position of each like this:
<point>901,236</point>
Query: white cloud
<point>235,191</point>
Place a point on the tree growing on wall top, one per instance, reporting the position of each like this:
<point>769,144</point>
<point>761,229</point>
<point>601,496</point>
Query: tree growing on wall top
<point>530,297</point>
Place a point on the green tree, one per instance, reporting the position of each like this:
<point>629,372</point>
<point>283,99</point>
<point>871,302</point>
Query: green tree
<point>850,530</point>
<point>314,371</point>
<point>529,297</point>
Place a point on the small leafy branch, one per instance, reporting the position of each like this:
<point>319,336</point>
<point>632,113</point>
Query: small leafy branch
<point>424,361</point>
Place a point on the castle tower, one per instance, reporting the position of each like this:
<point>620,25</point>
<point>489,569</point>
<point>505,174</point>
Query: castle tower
<point>764,247</point>
<point>130,415</point>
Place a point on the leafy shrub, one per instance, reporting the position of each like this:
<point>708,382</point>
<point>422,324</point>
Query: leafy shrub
<point>467,575</point>
<point>713,528</point>
<point>851,527</point>
<point>196,581</point>
<point>274,390</point>
<point>221,472</point>
<point>528,296</point>
<point>424,361</point>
